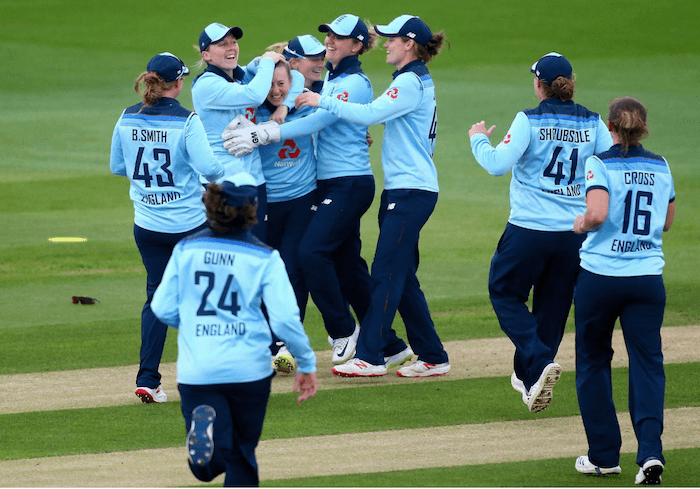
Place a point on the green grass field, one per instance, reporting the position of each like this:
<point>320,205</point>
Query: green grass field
<point>69,72</point>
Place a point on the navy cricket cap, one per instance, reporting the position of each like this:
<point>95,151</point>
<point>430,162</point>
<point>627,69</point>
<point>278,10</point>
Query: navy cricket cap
<point>347,26</point>
<point>406,26</point>
<point>239,190</point>
<point>306,46</point>
<point>168,66</point>
<point>551,66</point>
<point>215,32</point>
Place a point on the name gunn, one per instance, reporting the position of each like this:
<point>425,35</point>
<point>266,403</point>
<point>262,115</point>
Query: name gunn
<point>149,135</point>
<point>214,258</point>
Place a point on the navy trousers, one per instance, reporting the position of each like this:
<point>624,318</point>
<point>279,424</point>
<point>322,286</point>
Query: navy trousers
<point>260,229</point>
<point>547,263</point>
<point>287,222</point>
<point>329,254</point>
<point>402,215</point>
<point>639,303</point>
<point>240,412</point>
<point>155,249</point>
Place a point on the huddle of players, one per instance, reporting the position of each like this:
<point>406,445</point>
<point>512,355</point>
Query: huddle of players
<point>546,202</point>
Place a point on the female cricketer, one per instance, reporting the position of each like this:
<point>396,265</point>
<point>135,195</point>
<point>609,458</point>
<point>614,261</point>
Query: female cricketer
<point>162,148</point>
<point>630,202</point>
<point>545,147</point>
<point>408,109</point>
<point>223,91</point>
<point>335,272</point>
<point>211,292</point>
<point>289,168</point>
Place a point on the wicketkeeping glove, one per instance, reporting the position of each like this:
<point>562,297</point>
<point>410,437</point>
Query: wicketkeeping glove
<point>244,139</point>
<point>238,122</point>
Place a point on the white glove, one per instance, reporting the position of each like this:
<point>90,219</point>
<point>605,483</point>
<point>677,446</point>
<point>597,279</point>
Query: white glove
<point>239,121</point>
<point>243,140</point>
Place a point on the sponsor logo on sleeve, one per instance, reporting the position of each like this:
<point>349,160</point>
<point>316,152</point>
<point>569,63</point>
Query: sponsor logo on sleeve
<point>589,175</point>
<point>343,97</point>
<point>393,93</point>
<point>506,139</point>
<point>250,114</point>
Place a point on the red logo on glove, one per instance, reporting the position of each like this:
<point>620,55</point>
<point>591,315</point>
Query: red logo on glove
<point>393,93</point>
<point>589,175</point>
<point>343,96</point>
<point>506,139</point>
<point>289,150</point>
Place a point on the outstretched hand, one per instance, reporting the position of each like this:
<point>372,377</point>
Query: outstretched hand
<point>306,384</point>
<point>244,139</point>
<point>276,57</point>
<point>307,99</point>
<point>480,128</point>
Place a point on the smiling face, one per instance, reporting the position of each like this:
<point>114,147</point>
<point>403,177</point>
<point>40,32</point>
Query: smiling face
<point>311,68</point>
<point>337,48</point>
<point>281,83</point>
<point>399,52</point>
<point>223,54</point>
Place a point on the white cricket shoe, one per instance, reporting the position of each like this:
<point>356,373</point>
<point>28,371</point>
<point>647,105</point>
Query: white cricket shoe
<point>148,395</point>
<point>344,348</point>
<point>359,368</point>
<point>584,466</point>
<point>540,394</point>
<point>399,358</point>
<point>650,472</point>
<point>283,361</point>
<point>519,386</point>
<point>421,369</point>
<point>200,438</point>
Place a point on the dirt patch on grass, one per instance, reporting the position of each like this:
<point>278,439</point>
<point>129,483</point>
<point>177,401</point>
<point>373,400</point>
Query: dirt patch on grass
<point>491,357</point>
<point>472,444</point>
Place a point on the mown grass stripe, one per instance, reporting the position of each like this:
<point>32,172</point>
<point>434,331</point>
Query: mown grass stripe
<point>333,412</point>
<point>353,453</point>
<point>487,357</point>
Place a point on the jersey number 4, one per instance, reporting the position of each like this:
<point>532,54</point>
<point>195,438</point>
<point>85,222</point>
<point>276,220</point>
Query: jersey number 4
<point>558,173</point>
<point>225,304</point>
<point>142,170</point>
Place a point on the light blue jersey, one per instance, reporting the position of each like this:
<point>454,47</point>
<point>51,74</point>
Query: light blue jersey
<point>546,148</point>
<point>212,291</point>
<point>640,187</point>
<point>409,110</point>
<point>341,147</point>
<point>289,165</point>
<point>163,150</point>
<point>218,99</point>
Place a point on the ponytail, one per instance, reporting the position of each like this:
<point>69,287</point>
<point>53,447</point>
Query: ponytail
<point>561,88</point>
<point>150,87</point>
<point>426,53</point>
<point>628,118</point>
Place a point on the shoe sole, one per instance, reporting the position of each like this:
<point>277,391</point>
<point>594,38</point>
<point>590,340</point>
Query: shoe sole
<point>348,374</point>
<point>429,373</point>
<point>145,397</point>
<point>399,363</point>
<point>652,476</point>
<point>544,397</point>
<point>283,364</point>
<point>199,446</point>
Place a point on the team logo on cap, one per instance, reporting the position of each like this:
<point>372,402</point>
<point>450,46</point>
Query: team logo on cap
<point>393,93</point>
<point>343,96</point>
